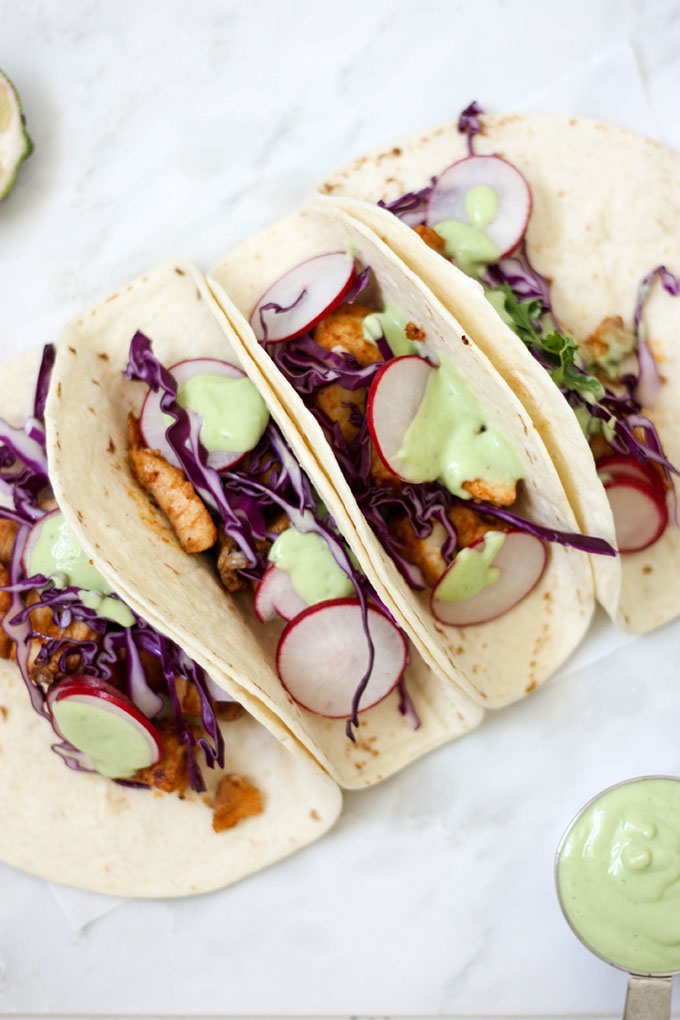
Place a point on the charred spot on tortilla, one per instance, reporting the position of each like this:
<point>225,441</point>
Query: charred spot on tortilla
<point>95,382</point>
<point>465,340</point>
<point>180,272</point>
<point>111,446</point>
<point>59,389</point>
<point>103,356</point>
<point>79,516</point>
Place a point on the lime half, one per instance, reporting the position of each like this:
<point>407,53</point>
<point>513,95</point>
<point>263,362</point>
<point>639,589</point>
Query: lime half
<point>15,145</point>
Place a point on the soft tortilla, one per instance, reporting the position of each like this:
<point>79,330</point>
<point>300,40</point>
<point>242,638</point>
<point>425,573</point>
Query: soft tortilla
<point>496,662</point>
<point>137,552</point>
<point>606,212</point>
<point>87,831</point>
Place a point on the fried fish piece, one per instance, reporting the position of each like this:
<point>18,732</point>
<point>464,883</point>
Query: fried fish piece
<point>336,402</point>
<point>176,497</point>
<point>431,238</point>
<point>498,493</point>
<point>229,561</point>
<point>343,331</point>
<point>235,800</point>
<point>8,531</point>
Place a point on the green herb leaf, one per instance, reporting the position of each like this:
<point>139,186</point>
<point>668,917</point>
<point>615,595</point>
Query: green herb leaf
<point>558,352</point>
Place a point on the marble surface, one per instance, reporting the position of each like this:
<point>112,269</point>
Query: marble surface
<point>172,129</point>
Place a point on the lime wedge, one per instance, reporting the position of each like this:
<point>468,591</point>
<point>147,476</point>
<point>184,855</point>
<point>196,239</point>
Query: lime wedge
<point>15,145</point>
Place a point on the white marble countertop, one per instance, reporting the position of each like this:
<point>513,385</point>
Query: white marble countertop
<point>165,129</point>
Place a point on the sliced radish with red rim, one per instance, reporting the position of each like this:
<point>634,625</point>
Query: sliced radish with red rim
<point>102,723</point>
<point>323,655</point>
<point>302,297</point>
<point>616,466</point>
<point>395,395</point>
<point>639,510</point>
<point>153,423</point>
<point>520,561</point>
<point>447,199</point>
<point>276,596</point>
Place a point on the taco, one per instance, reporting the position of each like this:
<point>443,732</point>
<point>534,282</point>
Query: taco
<point>181,485</point>
<point>125,769</point>
<point>429,461</point>
<point>560,240</point>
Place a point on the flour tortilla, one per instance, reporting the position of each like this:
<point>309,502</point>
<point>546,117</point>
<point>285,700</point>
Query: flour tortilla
<point>136,550</point>
<point>606,211</point>
<point>87,831</point>
<point>497,662</point>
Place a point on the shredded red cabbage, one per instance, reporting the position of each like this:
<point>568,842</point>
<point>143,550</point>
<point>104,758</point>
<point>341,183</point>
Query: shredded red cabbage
<point>469,123</point>
<point>410,208</point>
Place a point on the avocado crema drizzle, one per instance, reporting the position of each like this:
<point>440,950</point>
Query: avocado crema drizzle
<point>521,296</point>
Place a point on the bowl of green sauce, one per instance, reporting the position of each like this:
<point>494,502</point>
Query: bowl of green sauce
<point>617,870</point>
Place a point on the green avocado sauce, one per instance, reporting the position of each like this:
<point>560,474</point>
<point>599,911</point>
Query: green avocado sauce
<point>447,440</point>
<point>471,249</point>
<point>392,322</point>
<point>57,554</point>
<point>233,412</point>
<point>618,875</point>
<point>481,205</point>
<point>471,571</point>
<point>314,573</point>
<point>116,747</point>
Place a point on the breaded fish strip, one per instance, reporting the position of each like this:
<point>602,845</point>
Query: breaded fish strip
<point>5,602</point>
<point>426,553</point>
<point>343,331</point>
<point>229,561</point>
<point>176,497</point>
<point>235,800</point>
<point>334,399</point>
<point>500,494</point>
<point>431,238</point>
<point>8,531</point>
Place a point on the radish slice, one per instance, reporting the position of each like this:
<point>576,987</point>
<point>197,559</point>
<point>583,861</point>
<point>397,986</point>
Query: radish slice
<point>276,596</point>
<point>101,722</point>
<point>29,545</point>
<point>395,395</point>
<point>640,513</point>
<point>521,561</point>
<point>152,423</point>
<point>302,297</point>
<point>447,199</point>
<point>323,655</point>
<point>616,466</point>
